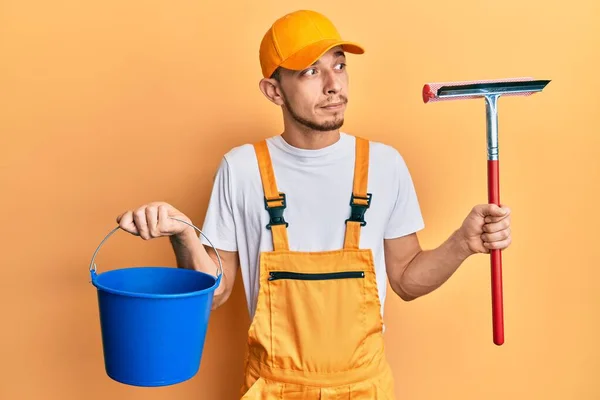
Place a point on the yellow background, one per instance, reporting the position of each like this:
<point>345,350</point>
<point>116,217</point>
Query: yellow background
<point>106,105</point>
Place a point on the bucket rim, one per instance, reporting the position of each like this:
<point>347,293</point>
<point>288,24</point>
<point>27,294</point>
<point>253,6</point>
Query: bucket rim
<point>195,293</point>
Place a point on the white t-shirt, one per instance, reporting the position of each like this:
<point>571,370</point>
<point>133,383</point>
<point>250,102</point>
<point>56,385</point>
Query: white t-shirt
<point>318,186</point>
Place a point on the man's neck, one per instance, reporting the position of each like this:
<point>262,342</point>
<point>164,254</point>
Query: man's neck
<point>310,139</point>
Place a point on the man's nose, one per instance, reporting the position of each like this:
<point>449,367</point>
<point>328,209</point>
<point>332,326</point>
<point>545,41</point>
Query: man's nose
<point>332,83</point>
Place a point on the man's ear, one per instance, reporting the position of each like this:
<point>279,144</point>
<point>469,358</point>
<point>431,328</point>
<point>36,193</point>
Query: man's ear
<point>271,89</point>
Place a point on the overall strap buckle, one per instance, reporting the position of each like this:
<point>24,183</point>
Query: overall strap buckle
<point>357,211</point>
<point>276,212</point>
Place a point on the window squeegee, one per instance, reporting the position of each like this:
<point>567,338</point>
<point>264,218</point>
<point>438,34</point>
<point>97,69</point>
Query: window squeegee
<point>490,90</point>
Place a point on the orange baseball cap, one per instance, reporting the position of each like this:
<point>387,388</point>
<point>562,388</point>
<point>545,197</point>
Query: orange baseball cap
<point>298,39</point>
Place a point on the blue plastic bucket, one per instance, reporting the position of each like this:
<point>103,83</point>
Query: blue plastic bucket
<point>153,320</point>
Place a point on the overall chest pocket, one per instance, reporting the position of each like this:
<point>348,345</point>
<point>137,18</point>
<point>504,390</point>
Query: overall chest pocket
<point>318,320</point>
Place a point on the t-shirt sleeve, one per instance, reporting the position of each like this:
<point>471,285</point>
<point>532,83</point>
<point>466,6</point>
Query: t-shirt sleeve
<point>219,222</point>
<point>406,217</point>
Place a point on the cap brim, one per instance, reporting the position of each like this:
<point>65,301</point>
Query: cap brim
<point>310,54</point>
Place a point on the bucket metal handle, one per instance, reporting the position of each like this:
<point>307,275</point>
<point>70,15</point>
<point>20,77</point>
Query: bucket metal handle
<point>219,271</point>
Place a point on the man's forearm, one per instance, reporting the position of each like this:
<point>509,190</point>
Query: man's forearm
<point>431,268</point>
<point>191,254</point>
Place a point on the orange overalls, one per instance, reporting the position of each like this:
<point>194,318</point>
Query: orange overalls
<point>317,330</point>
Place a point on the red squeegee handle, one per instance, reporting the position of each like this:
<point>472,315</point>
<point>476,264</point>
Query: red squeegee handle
<point>496,259</point>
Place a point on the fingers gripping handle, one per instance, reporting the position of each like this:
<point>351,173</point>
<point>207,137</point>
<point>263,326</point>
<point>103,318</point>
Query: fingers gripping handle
<point>219,270</point>
<point>496,259</point>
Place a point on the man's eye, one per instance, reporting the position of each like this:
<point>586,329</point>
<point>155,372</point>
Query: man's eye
<point>341,65</point>
<point>309,72</point>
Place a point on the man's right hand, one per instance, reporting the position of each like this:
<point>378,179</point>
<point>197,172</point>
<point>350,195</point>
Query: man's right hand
<point>153,220</point>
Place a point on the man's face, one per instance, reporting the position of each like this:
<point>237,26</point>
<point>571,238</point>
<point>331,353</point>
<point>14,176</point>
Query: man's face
<point>316,97</point>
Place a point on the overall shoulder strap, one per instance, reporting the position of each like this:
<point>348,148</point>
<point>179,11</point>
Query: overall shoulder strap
<point>360,200</point>
<point>275,201</point>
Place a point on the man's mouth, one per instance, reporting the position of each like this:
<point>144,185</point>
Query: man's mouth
<point>334,105</point>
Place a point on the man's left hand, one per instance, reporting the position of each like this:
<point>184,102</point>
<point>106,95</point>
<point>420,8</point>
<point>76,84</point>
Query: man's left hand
<point>486,227</point>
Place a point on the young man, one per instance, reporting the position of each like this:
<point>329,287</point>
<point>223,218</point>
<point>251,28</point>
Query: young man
<point>318,221</point>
